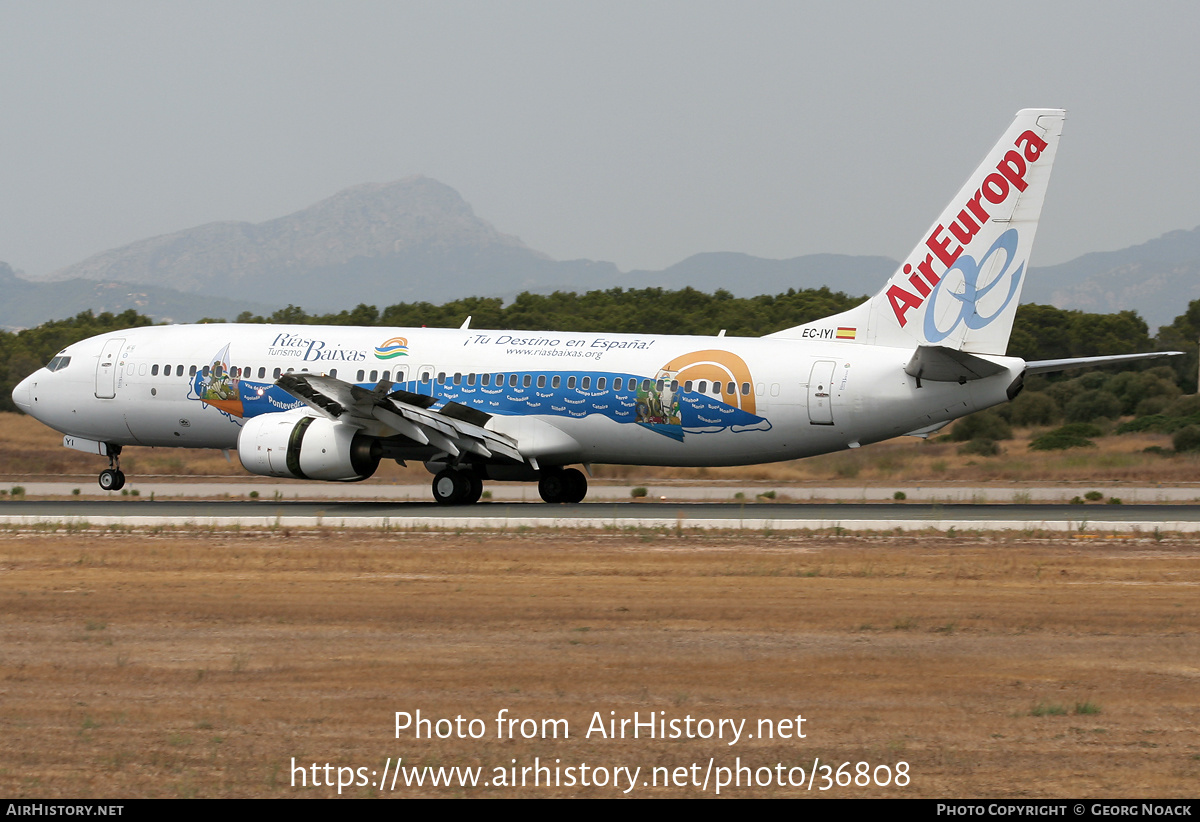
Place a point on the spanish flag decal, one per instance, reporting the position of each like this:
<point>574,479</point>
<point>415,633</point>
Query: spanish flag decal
<point>844,333</point>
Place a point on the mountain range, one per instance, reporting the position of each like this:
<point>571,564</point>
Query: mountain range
<point>418,240</point>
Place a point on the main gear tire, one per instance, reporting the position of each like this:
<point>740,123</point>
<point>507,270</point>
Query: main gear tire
<point>568,486</point>
<point>452,488</point>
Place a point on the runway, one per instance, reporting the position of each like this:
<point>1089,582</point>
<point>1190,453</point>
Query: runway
<point>757,516</point>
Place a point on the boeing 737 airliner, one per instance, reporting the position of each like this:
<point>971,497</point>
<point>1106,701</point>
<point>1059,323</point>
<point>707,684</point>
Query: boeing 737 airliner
<point>328,403</point>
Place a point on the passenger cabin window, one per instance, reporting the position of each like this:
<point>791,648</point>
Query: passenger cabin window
<point>527,381</point>
<point>570,382</point>
<point>262,372</point>
<point>154,371</point>
<point>556,382</point>
<point>362,376</point>
<point>687,386</point>
<point>206,371</point>
<point>487,379</point>
<point>470,379</point>
<point>601,383</point>
<point>441,378</point>
<point>703,388</point>
<point>674,385</point>
<point>618,383</point>
<point>374,376</point>
<point>745,389</point>
<point>512,380</point>
<point>179,371</point>
<point>278,373</point>
<point>586,383</point>
<point>541,381</point>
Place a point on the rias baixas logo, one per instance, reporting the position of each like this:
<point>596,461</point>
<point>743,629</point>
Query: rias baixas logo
<point>395,347</point>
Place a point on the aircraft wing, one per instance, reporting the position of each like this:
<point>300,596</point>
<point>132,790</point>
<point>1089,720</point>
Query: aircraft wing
<point>448,426</point>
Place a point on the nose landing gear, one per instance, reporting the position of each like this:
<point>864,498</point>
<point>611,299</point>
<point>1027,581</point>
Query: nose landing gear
<point>113,478</point>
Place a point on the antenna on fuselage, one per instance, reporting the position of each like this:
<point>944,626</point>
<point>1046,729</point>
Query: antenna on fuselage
<point>466,324</point>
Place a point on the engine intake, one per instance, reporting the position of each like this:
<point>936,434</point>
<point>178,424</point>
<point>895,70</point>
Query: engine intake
<point>279,445</point>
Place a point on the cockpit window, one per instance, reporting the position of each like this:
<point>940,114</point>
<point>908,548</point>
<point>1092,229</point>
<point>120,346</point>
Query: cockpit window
<point>58,363</point>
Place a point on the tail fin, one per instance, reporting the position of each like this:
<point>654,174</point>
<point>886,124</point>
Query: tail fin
<point>959,287</point>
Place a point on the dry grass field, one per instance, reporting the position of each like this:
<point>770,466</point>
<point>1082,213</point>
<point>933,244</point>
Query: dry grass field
<point>199,664</point>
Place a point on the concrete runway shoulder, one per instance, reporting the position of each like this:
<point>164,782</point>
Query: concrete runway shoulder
<point>143,513</point>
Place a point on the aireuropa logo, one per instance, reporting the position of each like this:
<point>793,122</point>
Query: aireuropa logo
<point>395,347</point>
<point>972,290</point>
<point>946,244</point>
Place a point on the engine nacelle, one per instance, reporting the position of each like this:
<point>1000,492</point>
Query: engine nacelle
<point>284,445</point>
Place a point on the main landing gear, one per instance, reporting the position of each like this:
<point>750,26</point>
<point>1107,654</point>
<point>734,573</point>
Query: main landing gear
<point>452,487</point>
<point>563,486</point>
<point>113,478</point>
<point>465,487</point>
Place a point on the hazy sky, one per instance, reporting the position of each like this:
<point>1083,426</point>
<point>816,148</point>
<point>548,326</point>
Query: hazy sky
<point>635,132</point>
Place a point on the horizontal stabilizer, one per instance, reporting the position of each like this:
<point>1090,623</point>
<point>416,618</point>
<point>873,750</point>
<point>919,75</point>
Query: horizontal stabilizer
<point>924,433</point>
<point>940,364</point>
<point>1049,366</point>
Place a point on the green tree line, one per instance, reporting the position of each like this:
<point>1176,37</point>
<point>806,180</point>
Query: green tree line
<point>1039,332</point>
<point>616,310</point>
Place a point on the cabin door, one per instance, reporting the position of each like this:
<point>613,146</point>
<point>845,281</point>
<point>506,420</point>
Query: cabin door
<point>820,393</point>
<point>106,369</point>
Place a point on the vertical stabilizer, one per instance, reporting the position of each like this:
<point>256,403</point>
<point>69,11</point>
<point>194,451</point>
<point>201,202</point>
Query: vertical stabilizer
<point>960,286</point>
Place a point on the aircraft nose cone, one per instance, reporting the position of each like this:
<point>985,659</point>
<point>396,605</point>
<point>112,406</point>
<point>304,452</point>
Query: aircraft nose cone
<point>23,396</point>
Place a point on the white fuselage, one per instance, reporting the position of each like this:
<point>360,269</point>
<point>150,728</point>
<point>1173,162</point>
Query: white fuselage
<point>620,398</point>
